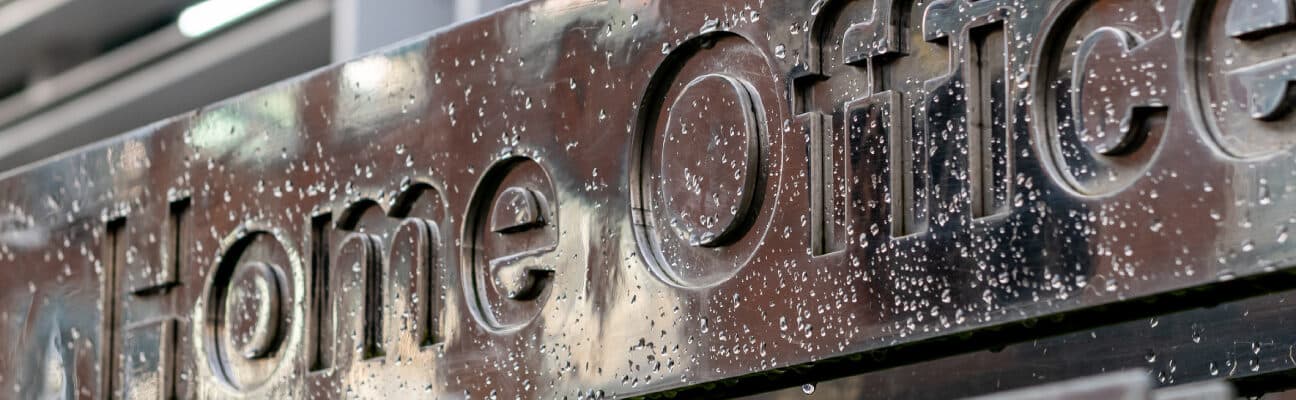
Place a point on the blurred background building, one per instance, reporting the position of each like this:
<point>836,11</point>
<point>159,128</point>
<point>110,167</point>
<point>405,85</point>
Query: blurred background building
<point>78,71</point>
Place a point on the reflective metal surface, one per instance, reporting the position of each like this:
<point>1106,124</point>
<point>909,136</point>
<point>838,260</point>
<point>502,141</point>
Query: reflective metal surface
<point>1246,342</point>
<point>1130,385</point>
<point>588,199</point>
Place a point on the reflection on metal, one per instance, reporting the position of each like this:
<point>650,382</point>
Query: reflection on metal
<point>589,199</point>
<point>1131,385</point>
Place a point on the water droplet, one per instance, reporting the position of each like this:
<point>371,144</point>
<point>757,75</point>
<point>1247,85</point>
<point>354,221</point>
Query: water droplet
<point>808,388</point>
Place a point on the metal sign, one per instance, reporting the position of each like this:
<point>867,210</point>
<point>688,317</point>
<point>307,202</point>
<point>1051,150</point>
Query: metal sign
<point>588,199</point>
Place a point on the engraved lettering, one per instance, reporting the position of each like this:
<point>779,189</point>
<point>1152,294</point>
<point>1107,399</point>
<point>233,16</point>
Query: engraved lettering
<point>974,97</point>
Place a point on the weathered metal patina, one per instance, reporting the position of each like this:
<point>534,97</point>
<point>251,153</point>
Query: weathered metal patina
<point>605,199</point>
